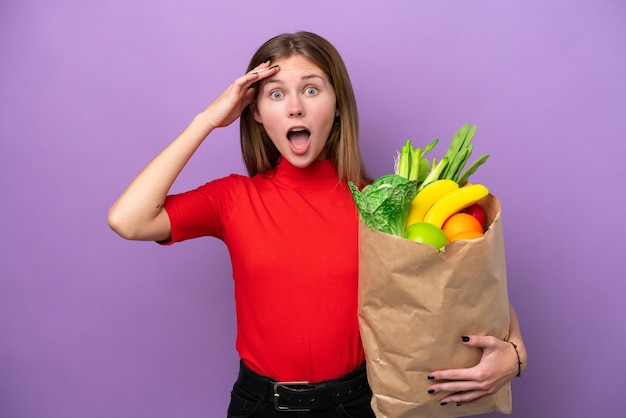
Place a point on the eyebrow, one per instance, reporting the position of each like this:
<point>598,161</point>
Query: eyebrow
<point>303,78</point>
<point>308,77</point>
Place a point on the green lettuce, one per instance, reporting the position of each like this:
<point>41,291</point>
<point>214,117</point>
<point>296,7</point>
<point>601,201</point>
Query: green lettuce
<point>384,204</point>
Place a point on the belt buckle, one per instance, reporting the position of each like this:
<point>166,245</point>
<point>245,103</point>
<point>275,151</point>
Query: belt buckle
<point>277,404</point>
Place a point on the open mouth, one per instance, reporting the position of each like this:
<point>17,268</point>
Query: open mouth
<point>299,137</point>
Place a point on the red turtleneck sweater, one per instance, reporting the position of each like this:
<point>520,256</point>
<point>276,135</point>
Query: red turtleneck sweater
<point>292,238</point>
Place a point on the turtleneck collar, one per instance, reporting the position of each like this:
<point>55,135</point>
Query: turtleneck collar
<point>322,172</point>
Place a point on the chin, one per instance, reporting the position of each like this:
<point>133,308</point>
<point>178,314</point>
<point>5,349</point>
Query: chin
<point>300,161</point>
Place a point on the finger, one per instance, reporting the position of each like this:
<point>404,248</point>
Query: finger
<point>262,73</point>
<point>246,80</point>
<point>454,374</point>
<point>462,398</point>
<point>454,387</point>
<point>479,341</point>
<point>263,65</point>
<point>255,75</point>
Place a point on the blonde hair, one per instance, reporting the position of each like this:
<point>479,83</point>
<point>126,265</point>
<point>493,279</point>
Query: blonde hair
<point>260,154</point>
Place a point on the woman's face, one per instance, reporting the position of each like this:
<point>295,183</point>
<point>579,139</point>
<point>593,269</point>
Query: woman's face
<point>297,107</point>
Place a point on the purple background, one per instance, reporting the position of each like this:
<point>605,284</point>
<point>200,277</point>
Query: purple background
<point>94,326</point>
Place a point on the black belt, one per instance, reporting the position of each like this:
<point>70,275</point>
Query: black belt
<point>304,396</point>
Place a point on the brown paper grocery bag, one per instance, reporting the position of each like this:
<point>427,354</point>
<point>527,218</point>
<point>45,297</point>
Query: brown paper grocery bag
<point>415,304</point>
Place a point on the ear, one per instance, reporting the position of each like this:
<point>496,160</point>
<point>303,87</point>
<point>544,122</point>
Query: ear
<point>255,112</point>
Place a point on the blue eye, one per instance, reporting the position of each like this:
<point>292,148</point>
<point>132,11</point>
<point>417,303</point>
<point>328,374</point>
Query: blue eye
<point>311,91</point>
<point>276,95</point>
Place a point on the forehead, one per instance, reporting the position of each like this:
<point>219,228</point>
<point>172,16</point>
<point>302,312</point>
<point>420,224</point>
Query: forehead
<point>296,67</point>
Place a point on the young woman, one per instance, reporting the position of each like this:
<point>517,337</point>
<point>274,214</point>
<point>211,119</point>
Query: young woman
<point>291,231</point>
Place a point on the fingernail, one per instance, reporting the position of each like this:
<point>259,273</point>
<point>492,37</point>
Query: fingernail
<point>443,403</point>
<point>465,338</point>
<point>255,73</point>
<point>431,391</point>
<point>272,67</point>
<point>430,377</point>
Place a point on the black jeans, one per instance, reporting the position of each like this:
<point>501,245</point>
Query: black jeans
<point>251,399</point>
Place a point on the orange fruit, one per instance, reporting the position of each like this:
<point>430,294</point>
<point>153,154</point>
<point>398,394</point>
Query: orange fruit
<point>461,222</point>
<point>466,235</point>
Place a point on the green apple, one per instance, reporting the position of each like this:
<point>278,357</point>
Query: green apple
<point>426,233</point>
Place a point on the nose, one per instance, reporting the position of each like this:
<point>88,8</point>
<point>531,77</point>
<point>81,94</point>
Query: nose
<point>295,107</point>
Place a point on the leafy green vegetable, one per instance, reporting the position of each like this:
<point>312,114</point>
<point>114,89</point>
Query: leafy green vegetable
<point>472,169</point>
<point>411,163</point>
<point>403,162</point>
<point>458,154</point>
<point>383,205</point>
<point>435,172</point>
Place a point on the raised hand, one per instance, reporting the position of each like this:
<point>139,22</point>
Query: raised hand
<point>137,213</point>
<point>228,106</point>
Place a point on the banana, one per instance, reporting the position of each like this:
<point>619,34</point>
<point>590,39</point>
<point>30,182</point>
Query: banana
<point>454,202</point>
<point>431,193</point>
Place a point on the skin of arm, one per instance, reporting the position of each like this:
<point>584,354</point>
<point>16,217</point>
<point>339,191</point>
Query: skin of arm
<point>138,213</point>
<point>498,366</point>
